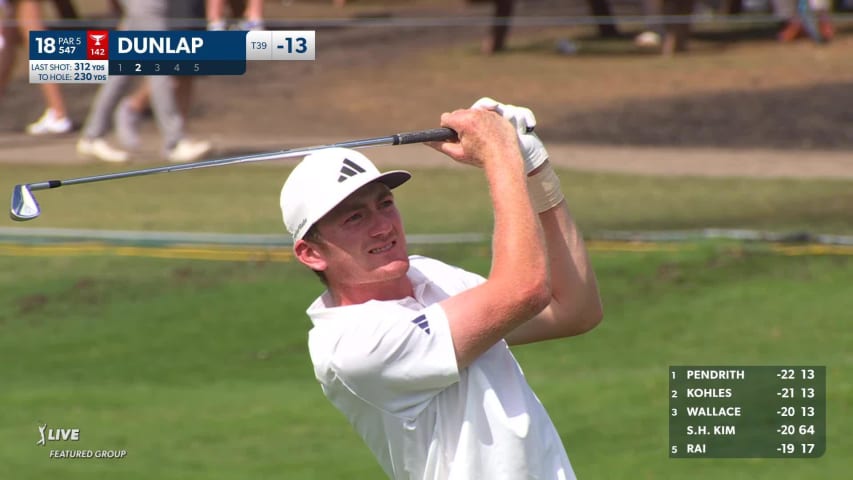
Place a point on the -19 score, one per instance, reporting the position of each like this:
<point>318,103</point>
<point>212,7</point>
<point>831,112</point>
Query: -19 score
<point>791,448</point>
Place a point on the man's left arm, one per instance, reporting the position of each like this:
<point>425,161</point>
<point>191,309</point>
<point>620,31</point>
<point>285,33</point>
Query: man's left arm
<point>575,305</point>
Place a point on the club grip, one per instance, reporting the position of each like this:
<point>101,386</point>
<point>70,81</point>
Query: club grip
<point>432,135</point>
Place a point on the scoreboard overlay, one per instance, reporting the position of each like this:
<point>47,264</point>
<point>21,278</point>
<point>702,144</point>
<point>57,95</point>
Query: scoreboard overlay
<point>747,411</point>
<point>92,56</point>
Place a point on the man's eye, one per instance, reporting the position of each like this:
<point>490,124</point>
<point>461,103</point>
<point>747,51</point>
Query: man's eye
<point>386,203</point>
<point>352,218</point>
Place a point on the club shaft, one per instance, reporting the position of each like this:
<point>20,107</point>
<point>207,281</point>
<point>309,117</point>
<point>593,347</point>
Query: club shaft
<point>438,134</point>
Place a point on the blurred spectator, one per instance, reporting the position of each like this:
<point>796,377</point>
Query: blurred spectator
<point>253,15</point>
<point>791,11</point>
<point>496,41</point>
<point>139,15</point>
<point>114,8</point>
<point>498,33</point>
<point>184,15</point>
<point>28,17</point>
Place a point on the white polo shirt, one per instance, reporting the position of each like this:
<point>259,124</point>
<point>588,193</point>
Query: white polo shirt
<point>390,367</point>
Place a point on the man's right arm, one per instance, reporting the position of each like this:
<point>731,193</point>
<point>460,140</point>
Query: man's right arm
<point>517,287</point>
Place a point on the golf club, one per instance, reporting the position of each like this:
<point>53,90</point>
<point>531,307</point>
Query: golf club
<point>25,207</point>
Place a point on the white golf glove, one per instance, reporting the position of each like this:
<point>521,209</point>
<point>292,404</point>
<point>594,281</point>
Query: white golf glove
<point>532,150</point>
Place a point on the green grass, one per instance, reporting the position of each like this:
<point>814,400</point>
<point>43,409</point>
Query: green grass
<point>245,200</point>
<point>200,369</point>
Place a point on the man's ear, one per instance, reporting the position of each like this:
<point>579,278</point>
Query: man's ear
<point>309,254</point>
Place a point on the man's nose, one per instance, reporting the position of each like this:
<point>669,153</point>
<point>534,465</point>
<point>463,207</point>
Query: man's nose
<point>381,225</point>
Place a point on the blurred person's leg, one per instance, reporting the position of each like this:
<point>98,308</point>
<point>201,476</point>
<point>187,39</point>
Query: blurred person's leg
<point>65,9</point>
<point>131,111</point>
<point>821,9</point>
<point>114,9</point>
<point>138,15</point>
<point>10,41</point>
<point>601,8</point>
<point>153,15</point>
<point>165,110</point>
<point>183,85</point>
<point>677,34</point>
<point>176,146</point>
<point>92,142</point>
<point>128,115</point>
<point>253,15</point>
<point>791,28</point>
<point>496,41</point>
<point>215,15</point>
<point>55,118</point>
<point>185,15</point>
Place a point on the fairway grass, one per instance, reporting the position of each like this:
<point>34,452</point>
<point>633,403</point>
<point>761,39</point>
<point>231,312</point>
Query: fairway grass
<point>245,199</point>
<point>200,369</point>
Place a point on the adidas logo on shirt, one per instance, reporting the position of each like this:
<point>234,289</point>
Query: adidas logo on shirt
<point>422,322</point>
<point>349,169</point>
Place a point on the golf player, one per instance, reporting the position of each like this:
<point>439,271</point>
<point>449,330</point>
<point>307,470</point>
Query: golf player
<point>415,352</point>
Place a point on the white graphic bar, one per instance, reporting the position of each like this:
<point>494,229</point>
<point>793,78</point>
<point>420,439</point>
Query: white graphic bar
<point>69,71</point>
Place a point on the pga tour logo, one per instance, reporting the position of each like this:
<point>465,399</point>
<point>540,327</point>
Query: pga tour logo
<point>57,435</point>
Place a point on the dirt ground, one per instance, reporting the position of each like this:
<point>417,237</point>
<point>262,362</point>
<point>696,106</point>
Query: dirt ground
<point>736,90</point>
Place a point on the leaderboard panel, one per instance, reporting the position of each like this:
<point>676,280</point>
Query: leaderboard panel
<point>747,411</point>
<point>92,56</point>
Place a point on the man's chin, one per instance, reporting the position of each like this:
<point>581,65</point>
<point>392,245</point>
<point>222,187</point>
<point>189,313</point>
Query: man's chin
<point>397,267</point>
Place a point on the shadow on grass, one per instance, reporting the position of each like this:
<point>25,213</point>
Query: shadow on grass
<point>810,117</point>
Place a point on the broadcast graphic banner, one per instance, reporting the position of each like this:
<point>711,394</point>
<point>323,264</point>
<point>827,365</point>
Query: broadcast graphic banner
<point>91,56</point>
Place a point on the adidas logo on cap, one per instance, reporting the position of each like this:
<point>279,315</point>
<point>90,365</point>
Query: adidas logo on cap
<point>349,169</point>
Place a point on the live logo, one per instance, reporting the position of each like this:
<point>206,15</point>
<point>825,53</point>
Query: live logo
<point>97,45</point>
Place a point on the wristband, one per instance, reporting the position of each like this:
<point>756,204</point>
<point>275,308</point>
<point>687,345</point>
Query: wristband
<point>543,187</point>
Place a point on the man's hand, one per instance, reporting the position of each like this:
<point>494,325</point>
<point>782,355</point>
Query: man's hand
<point>483,137</point>
<point>532,150</point>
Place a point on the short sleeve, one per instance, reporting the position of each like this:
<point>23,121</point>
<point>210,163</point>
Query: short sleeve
<point>398,360</point>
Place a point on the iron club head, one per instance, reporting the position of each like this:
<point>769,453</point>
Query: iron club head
<point>24,204</point>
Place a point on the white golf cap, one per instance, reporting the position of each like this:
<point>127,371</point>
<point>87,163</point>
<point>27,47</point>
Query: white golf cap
<point>324,179</point>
